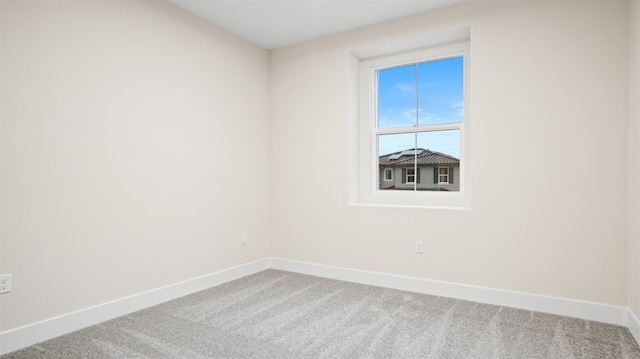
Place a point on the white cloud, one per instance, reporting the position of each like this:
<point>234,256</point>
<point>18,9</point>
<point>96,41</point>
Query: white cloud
<point>405,87</point>
<point>409,114</point>
<point>457,107</point>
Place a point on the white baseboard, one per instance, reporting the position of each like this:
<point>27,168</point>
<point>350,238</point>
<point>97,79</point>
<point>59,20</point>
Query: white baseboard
<point>633,324</point>
<point>25,336</point>
<point>561,306</point>
<point>31,334</point>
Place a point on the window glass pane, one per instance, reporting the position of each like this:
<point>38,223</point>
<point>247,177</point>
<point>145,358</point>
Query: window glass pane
<point>440,89</point>
<point>397,97</point>
<point>396,144</point>
<point>446,142</point>
<point>396,151</point>
<point>442,150</point>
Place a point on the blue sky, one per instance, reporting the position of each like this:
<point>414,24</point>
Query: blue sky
<point>440,100</point>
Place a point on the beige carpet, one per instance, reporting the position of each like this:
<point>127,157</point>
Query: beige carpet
<point>275,314</point>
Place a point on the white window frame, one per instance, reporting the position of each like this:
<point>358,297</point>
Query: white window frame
<point>406,179</point>
<point>384,174</point>
<point>369,192</point>
<point>440,175</point>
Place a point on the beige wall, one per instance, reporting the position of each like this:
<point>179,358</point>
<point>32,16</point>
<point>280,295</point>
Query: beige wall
<point>131,135</point>
<point>548,97</point>
<point>633,215</point>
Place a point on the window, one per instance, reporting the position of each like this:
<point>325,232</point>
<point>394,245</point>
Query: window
<point>411,175</point>
<point>418,116</point>
<point>443,175</point>
<point>388,174</point>
<point>414,116</point>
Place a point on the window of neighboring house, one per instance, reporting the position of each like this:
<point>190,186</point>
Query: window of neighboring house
<point>415,115</point>
<point>411,175</point>
<point>443,175</point>
<point>388,174</point>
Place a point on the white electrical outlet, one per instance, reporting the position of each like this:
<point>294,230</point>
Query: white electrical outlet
<point>5,283</point>
<point>243,237</point>
<point>419,247</point>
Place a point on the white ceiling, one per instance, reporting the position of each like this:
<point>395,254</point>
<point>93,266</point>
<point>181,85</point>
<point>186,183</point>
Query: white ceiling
<point>277,23</point>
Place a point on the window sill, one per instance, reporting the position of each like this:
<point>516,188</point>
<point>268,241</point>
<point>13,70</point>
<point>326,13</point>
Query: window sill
<point>407,206</point>
<point>414,199</point>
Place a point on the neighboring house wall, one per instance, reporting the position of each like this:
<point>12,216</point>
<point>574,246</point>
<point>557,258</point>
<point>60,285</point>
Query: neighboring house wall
<point>426,179</point>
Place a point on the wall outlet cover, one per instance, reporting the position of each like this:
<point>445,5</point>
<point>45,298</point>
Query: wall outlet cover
<point>5,283</point>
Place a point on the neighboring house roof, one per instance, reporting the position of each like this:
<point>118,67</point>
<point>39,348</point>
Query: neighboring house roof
<point>425,157</point>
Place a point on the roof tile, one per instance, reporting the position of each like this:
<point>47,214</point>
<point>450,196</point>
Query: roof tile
<point>426,157</point>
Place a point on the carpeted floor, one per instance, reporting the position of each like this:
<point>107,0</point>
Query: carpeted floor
<point>275,314</point>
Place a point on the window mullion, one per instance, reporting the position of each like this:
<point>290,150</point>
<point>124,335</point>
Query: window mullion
<point>415,135</point>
